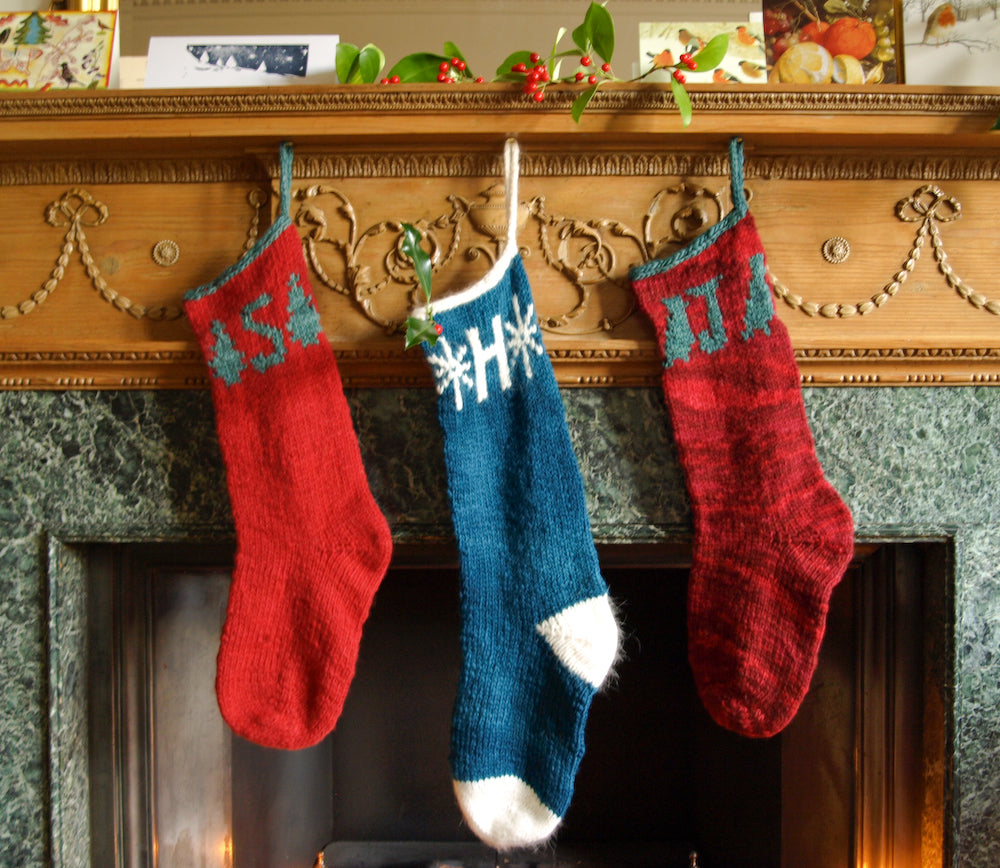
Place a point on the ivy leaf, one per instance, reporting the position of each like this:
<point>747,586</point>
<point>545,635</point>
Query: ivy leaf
<point>602,31</point>
<point>683,101</point>
<point>419,67</point>
<point>581,102</point>
<point>346,56</point>
<point>713,53</point>
<point>420,330</point>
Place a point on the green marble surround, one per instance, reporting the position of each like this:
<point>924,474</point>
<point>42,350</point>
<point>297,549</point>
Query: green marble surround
<point>77,467</point>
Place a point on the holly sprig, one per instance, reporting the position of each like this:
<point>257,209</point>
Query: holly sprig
<point>586,64</point>
<point>419,329</point>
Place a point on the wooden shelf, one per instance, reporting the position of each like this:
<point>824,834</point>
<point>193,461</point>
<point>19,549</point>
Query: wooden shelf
<point>908,177</point>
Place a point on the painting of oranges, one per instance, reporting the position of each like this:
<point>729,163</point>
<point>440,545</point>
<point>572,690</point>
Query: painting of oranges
<point>832,41</point>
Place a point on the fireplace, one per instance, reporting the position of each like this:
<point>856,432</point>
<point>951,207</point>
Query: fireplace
<point>91,475</point>
<point>859,778</point>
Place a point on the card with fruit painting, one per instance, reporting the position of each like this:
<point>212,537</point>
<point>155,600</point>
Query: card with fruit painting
<point>855,42</point>
<point>664,43</point>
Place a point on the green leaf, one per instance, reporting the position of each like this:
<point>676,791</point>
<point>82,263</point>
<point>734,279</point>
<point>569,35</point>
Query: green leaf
<point>713,53</point>
<point>419,67</point>
<point>996,126</point>
<point>419,330</point>
<point>513,60</point>
<point>581,37</point>
<point>682,99</point>
<point>452,50</point>
<point>602,31</point>
<point>346,56</point>
<point>581,102</point>
<point>418,256</point>
<point>370,63</point>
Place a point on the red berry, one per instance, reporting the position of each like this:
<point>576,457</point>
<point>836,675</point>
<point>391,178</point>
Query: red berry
<point>538,95</point>
<point>393,79</point>
<point>685,57</point>
<point>519,67</point>
<point>384,81</point>
<point>592,79</point>
<point>530,87</point>
<point>681,78</point>
<point>543,75</point>
<point>443,76</point>
<point>444,67</point>
<point>535,57</point>
<point>691,64</point>
<point>455,61</point>
<point>579,76</point>
<point>437,327</point>
<point>606,67</point>
<point>480,79</point>
<point>585,60</point>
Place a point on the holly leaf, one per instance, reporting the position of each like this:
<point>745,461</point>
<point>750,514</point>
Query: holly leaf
<point>601,27</point>
<point>503,70</point>
<point>713,53</point>
<point>418,256</point>
<point>419,330</point>
<point>371,59</point>
<point>683,101</point>
<point>419,67</point>
<point>346,56</point>
<point>581,102</point>
<point>358,65</point>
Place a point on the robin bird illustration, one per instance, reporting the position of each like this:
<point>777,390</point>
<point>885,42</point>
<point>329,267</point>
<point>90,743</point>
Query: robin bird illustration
<point>940,25</point>
<point>691,42</point>
<point>745,37</point>
<point>720,76</point>
<point>664,58</point>
<point>751,69</point>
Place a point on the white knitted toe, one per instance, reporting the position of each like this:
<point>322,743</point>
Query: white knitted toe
<point>584,637</point>
<point>505,812</point>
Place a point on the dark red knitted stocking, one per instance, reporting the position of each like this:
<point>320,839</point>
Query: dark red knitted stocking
<point>772,537</point>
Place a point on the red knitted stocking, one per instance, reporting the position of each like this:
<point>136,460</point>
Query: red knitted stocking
<point>772,537</point>
<point>312,545</point>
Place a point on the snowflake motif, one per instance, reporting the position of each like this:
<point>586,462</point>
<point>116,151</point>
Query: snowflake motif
<point>451,369</point>
<point>523,336</point>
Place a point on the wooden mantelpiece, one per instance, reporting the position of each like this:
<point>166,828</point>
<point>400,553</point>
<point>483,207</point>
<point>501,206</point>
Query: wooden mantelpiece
<point>879,209</point>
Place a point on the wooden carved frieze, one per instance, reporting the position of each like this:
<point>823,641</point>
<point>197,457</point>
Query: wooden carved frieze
<point>881,252</point>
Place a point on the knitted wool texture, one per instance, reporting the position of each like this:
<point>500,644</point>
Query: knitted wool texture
<point>312,545</point>
<point>771,536</point>
<point>538,634</point>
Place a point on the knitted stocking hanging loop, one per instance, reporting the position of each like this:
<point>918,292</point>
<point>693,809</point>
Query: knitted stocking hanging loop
<point>312,545</point>
<point>538,633</point>
<point>771,536</point>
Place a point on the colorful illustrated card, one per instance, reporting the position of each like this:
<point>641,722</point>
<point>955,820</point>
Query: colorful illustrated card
<point>952,43</point>
<point>839,41</point>
<point>57,50</point>
<point>662,44</point>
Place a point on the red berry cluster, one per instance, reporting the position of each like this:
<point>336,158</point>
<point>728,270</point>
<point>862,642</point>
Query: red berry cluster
<point>591,77</point>
<point>535,78</point>
<point>688,61</point>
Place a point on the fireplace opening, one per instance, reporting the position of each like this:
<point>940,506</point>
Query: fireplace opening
<point>860,777</point>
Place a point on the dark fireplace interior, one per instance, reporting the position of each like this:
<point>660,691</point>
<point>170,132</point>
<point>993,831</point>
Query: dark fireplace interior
<point>860,777</point>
